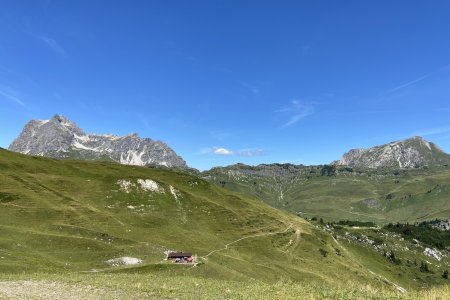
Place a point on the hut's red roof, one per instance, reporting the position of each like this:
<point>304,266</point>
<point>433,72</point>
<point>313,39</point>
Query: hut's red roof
<point>179,254</point>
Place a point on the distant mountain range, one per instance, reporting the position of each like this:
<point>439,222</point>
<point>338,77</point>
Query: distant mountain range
<point>410,153</point>
<point>59,137</point>
<point>404,181</point>
<point>73,216</point>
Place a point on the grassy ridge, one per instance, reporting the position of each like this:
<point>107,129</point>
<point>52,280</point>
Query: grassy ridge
<point>70,217</point>
<point>338,193</point>
<point>73,216</point>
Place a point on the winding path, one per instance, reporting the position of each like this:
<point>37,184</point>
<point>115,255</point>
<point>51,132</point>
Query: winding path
<point>247,237</point>
<point>399,288</point>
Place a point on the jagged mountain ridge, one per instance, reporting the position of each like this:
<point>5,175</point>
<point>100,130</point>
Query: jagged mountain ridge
<point>410,153</point>
<point>59,137</point>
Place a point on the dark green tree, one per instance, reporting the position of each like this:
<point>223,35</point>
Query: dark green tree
<point>424,267</point>
<point>393,259</point>
<point>328,170</point>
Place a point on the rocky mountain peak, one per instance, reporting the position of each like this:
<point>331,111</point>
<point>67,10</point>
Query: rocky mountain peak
<point>409,153</point>
<point>63,122</point>
<point>60,119</point>
<point>61,138</point>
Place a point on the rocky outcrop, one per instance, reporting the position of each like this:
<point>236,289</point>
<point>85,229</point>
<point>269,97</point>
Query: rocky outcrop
<point>411,153</point>
<point>59,137</point>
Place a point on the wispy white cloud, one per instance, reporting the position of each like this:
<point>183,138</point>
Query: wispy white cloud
<point>405,85</point>
<point>11,95</point>
<point>222,151</point>
<point>432,131</point>
<point>144,121</point>
<point>214,150</point>
<point>253,89</point>
<point>249,152</point>
<point>53,45</point>
<point>295,111</point>
<point>429,77</point>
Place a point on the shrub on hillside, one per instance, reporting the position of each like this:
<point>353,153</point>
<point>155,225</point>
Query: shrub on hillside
<point>392,258</point>
<point>427,235</point>
<point>356,223</point>
<point>424,267</point>
<point>323,252</point>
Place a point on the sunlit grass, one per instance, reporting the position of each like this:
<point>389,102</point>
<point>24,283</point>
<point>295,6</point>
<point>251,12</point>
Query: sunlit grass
<point>187,287</point>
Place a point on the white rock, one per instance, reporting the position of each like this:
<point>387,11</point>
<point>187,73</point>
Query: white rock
<point>150,185</point>
<point>125,185</point>
<point>175,193</point>
<point>124,261</point>
<point>434,253</point>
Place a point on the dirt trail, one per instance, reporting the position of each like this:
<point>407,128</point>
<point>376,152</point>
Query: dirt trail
<point>399,288</point>
<point>247,237</point>
<point>33,289</point>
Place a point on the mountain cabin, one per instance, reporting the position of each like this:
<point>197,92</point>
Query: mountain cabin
<point>180,257</point>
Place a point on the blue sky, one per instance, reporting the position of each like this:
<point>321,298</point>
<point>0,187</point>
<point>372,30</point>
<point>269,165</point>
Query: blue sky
<point>223,82</point>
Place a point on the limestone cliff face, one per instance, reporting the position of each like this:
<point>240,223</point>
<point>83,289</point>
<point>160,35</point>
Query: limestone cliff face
<point>59,137</point>
<point>409,153</point>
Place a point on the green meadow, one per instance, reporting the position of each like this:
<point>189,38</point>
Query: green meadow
<point>61,221</point>
<point>340,193</point>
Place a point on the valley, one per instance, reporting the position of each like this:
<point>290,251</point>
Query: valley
<point>80,217</point>
<point>380,195</point>
<point>71,217</point>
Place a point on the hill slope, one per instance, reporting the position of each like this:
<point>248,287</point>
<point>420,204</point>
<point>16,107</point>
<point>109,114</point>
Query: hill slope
<point>379,195</point>
<point>75,215</point>
<point>62,217</point>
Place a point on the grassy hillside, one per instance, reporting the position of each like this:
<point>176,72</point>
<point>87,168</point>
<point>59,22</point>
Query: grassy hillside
<point>157,286</point>
<point>70,217</point>
<point>74,215</point>
<point>336,193</point>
